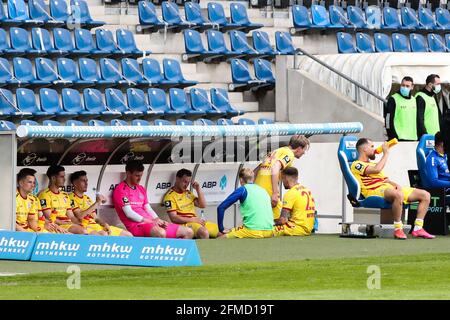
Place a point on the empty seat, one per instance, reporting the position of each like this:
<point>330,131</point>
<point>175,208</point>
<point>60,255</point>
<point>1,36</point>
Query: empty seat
<point>172,73</point>
<point>20,42</point>
<point>180,103</point>
<point>418,43</point>
<point>320,17</point>
<point>115,100</point>
<point>200,102</point>
<point>74,123</point>
<point>109,69</point>
<point>132,72</point>
<point>409,18</point>
<point>59,10</point>
<point>72,103</point>
<point>118,123</point>
<point>262,45</point>
<point>127,44</point>
<point>46,71</point>
<point>171,15</point>
<point>152,71</point>
<point>442,18</point>
<point>83,16</point>
<point>239,44</point>
<point>50,103</point>
<point>161,122</point>
<point>42,42</point>
<point>106,43</point>
<point>345,43</point>
<point>184,122</point>
<point>216,44</point>
<point>7,125</point>
<point>263,72</point>
<point>391,19</point>
<point>68,71</point>
<point>94,103</point>
<point>40,11</point>
<point>338,17</point>
<point>246,122</point>
<point>400,43</point>
<point>139,122</point>
<point>8,107</point>
<point>6,74</point>
<point>426,19</point>
<point>6,21</point>
<point>148,18</point>
<point>220,100</point>
<point>356,17</point>
<point>216,15</point>
<point>97,123</point>
<point>84,43</point>
<point>239,16</point>
<point>364,43</point>
<point>138,102</point>
<point>158,102</point>
<point>51,123</point>
<point>301,19</point>
<point>24,72</point>
<point>26,102</point>
<point>18,11</point>
<point>242,80</point>
<point>265,121</point>
<point>28,123</point>
<point>193,14</point>
<point>89,72</point>
<point>373,17</point>
<point>204,122</point>
<point>224,122</point>
<point>436,43</point>
<point>383,42</point>
<point>283,42</point>
<point>195,51</point>
<point>62,39</point>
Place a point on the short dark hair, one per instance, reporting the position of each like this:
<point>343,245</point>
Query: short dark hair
<point>76,175</point>
<point>438,138</point>
<point>431,78</point>
<point>134,166</point>
<point>291,172</point>
<point>25,172</point>
<point>361,142</point>
<point>408,78</point>
<point>297,141</point>
<point>54,169</point>
<point>184,172</point>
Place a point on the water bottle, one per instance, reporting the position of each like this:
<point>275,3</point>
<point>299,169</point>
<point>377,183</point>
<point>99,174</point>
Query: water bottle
<point>391,143</point>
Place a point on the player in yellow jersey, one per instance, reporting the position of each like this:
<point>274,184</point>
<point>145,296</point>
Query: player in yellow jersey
<point>180,204</point>
<point>56,203</point>
<point>86,210</point>
<point>373,182</point>
<point>26,206</point>
<point>268,172</point>
<point>297,214</point>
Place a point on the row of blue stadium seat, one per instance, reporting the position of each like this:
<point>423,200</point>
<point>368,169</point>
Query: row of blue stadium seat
<point>56,14</point>
<point>135,103</point>
<point>391,19</point>
<point>172,20</point>
<point>64,44</point>
<point>85,74</point>
<point>398,43</point>
<point>8,125</point>
<point>243,80</point>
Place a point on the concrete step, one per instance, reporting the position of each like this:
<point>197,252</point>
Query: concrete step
<point>255,116</point>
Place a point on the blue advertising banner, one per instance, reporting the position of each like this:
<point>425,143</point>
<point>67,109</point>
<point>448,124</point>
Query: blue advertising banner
<point>16,245</point>
<point>116,250</point>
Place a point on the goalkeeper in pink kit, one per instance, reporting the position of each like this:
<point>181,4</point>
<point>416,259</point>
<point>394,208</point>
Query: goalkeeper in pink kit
<point>132,206</point>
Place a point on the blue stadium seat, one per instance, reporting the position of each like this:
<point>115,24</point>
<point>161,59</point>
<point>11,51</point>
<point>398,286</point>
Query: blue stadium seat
<point>220,100</point>
<point>373,17</point>
<point>140,122</point>
<point>426,19</point>
<point>216,15</point>
<point>261,44</point>
<point>40,11</point>
<point>225,122</point>
<point>74,123</point>
<point>118,123</point>
<point>239,44</point>
<point>106,43</point>
<point>62,39</point>
<point>24,72</point>
<point>148,18</point>
<point>447,41</point>
<point>51,123</point>
<point>391,19</point>
<point>5,21</point>
<point>200,102</point>
<point>195,51</point>
<point>283,42</point>
<point>26,102</point>
<point>172,73</point>
<point>347,153</point>
<point>238,14</point>
<point>4,43</point>
<point>89,72</point>
<point>171,15</point>
<point>410,20</point>
<point>116,101</point>
<point>263,72</point>
<point>424,147</point>
<point>94,103</point>
<point>68,71</point>
<point>138,102</point>
<point>180,103</point>
<point>6,75</point>
<point>158,102</point>
<point>7,125</point>
<point>46,71</point>
<point>18,11</point>
<point>320,17</point>
<point>193,14</point>
<point>364,43</point>
<point>161,122</point>
<point>383,42</point>
<point>110,71</point>
<point>418,43</point>
<point>356,17</point>
<point>28,123</point>
<point>59,10</point>
<point>81,15</point>
<point>8,107</point>
<point>400,43</point>
<point>49,99</point>
<point>442,18</point>
<point>132,71</point>
<point>204,122</point>
<point>246,122</point>
<point>127,44</point>
<point>345,43</point>
<point>300,18</point>
<point>20,42</point>
<point>436,43</point>
<point>97,123</point>
<point>216,44</point>
<point>242,80</point>
<point>184,122</point>
<point>338,18</point>
<point>152,72</point>
<point>72,103</point>
<point>265,121</point>
<point>42,42</point>
<point>84,44</point>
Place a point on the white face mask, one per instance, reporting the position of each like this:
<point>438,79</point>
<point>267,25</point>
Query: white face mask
<point>437,88</point>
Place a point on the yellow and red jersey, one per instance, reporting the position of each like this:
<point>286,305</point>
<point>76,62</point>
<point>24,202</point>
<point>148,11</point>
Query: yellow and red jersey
<point>367,181</point>
<point>59,202</point>
<point>82,203</point>
<point>300,203</point>
<point>26,207</point>
<point>181,203</point>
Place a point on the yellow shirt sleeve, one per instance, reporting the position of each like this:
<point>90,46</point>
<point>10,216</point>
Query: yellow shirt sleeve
<point>289,200</point>
<point>359,168</point>
<point>284,157</point>
<point>169,202</point>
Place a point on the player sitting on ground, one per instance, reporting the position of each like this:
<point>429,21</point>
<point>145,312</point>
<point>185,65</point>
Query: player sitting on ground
<point>373,182</point>
<point>180,204</point>
<point>255,209</point>
<point>268,172</point>
<point>84,208</point>
<point>27,205</point>
<point>297,214</point>
<point>56,203</point>
<point>132,206</point>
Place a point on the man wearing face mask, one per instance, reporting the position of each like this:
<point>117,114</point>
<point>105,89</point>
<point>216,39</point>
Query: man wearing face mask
<point>401,116</point>
<point>429,115</point>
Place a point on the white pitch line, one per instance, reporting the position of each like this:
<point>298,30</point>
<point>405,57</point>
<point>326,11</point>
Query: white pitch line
<point>10,274</point>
